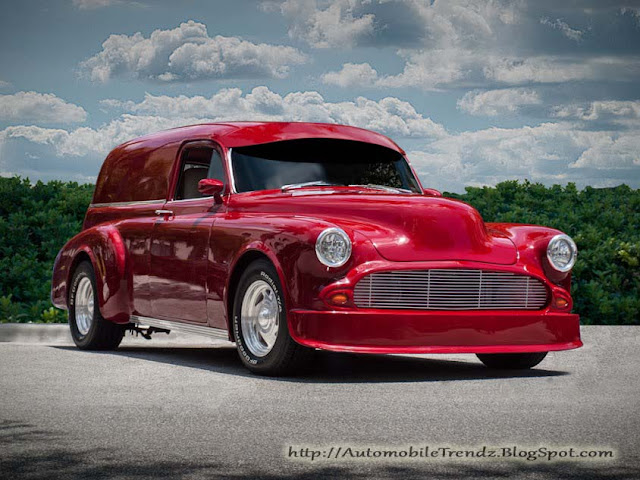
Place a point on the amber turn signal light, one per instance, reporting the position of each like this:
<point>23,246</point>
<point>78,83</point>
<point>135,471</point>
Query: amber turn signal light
<point>560,303</point>
<point>339,299</point>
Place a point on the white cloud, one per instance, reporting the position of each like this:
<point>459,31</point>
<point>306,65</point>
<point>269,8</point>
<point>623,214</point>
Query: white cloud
<point>87,141</point>
<point>39,108</point>
<point>558,69</point>
<point>548,153</point>
<point>4,85</point>
<point>325,24</point>
<point>474,43</point>
<point>188,53</point>
<point>564,28</point>
<point>427,70</point>
<point>347,23</point>
<point>617,111</point>
<point>497,102</point>
<point>620,153</point>
<point>431,69</point>
<point>465,23</point>
<point>390,115</point>
<point>352,75</point>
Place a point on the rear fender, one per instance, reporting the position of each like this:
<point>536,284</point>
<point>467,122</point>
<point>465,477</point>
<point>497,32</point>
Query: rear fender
<point>104,247</point>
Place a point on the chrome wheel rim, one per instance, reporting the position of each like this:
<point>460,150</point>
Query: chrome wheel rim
<point>259,318</point>
<point>84,305</point>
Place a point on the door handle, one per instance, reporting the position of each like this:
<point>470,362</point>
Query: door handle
<point>164,212</point>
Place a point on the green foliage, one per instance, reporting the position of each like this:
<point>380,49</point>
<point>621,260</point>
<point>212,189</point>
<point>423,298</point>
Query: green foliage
<point>604,222</point>
<point>37,220</point>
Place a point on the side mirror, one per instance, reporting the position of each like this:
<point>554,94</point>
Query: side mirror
<point>211,186</point>
<point>432,192</point>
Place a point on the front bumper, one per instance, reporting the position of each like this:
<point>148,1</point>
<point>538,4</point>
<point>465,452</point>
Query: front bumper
<point>402,331</point>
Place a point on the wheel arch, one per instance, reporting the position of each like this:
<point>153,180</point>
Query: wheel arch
<point>245,258</point>
<point>83,255</point>
<point>104,248</point>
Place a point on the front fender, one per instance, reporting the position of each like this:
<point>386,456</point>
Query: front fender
<point>531,242</point>
<point>104,247</point>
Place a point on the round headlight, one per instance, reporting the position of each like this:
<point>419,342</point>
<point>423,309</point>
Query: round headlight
<point>333,247</point>
<point>562,253</point>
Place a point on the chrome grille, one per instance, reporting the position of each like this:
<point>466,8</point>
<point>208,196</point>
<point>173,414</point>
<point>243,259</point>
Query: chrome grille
<point>450,289</point>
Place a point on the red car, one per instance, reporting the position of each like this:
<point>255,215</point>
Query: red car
<point>290,237</point>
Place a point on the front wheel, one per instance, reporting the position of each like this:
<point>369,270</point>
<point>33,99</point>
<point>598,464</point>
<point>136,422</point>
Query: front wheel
<point>511,361</point>
<point>260,324</point>
<point>90,331</point>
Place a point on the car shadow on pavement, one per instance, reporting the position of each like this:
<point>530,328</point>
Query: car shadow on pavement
<point>331,367</point>
<point>30,452</point>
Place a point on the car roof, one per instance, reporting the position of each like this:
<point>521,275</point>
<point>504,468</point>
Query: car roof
<point>239,134</point>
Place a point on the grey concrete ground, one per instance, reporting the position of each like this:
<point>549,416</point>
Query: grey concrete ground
<point>179,408</point>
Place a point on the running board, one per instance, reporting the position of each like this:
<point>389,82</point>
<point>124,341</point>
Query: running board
<point>218,333</point>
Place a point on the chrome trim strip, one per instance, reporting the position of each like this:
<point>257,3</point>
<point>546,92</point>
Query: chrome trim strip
<point>189,199</point>
<point>232,178</point>
<point>181,327</point>
<point>124,204</point>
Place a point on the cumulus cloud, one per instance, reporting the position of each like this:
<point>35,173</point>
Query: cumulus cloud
<point>85,141</point>
<point>427,70</point>
<point>558,69</point>
<point>621,152</point>
<point>475,43</point>
<point>325,24</point>
<point>432,69</point>
<point>390,116</point>
<point>617,111</point>
<point>346,23</point>
<point>352,75</point>
<point>39,108</point>
<point>188,53</point>
<point>564,28</point>
<point>437,69</point>
<point>549,153</point>
<point>498,102</point>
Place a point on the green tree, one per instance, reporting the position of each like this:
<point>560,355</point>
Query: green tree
<point>36,220</point>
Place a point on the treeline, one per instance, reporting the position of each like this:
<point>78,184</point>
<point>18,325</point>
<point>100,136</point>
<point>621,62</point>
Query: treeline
<point>37,219</point>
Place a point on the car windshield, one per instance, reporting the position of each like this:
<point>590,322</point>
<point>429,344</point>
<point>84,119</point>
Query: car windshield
<point>321,162</point>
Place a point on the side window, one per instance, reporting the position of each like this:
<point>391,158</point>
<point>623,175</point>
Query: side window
<point>216,170</point>
<point>197,163</point>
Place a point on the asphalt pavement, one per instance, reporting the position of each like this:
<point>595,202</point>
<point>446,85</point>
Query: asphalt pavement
<point>183,407</point>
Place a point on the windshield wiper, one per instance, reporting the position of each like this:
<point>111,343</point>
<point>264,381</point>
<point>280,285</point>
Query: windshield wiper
<point>317,183</point>
<point>384,188</point>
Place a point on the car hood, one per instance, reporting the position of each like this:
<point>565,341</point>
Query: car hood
<point>402,228</point>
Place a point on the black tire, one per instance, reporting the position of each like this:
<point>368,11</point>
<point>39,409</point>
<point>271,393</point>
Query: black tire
<point>286,357</point>
<point>512,361</point>
<point>102,334</point>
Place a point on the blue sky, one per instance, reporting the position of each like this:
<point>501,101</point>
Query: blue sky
<point>475,91</point>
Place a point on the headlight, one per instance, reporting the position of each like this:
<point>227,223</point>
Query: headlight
<point>562,253</point>
<point>333,247</point>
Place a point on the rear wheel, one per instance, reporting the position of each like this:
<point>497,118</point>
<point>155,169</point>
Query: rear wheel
<point>260,324</point>
<point>512,361</point>
<point>89,330</point>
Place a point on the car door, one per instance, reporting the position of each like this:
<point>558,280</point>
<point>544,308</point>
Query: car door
<point>180,238</point>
